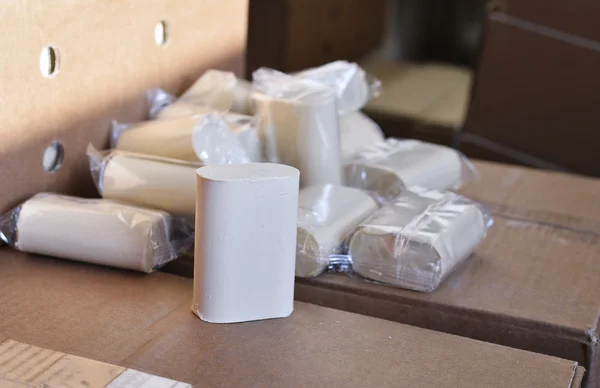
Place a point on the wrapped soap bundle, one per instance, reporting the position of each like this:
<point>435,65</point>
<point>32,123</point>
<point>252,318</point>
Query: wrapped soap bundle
<point>299,125</point>
<point>353,89</point>
<point>327,214</point>
<point>96,231</point>
<point>220,90</point>
<point>145,180</point>
<point>417,240</point>
<point>207,138</point>
<point>388,167</point>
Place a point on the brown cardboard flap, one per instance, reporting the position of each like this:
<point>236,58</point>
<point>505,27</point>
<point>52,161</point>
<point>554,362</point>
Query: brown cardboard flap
<point>144,322</point>
<point>539,196</point>
<point>541,105</point>
<point>528,286</point>
<point>107,57</point>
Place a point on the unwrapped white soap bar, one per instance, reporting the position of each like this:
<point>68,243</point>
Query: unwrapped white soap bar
<point>244,127</point>
<point>299,126</point>
<point>94,231</point>
<point>327,215</point>
<point>387,166</point>
<point>204,138</point>
<point>245,242</point>
<point>220,90</point>
<point>154,182</point>
<point>419,239</point>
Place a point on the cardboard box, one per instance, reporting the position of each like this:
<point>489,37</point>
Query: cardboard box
<point>104,59</point>
<point>424,101</point>
<point>292,35</point>
<point>145,323</point>
<point>535,98</point>
<point>529,286</point>
<point>576,17</point>
<point>538,196</point>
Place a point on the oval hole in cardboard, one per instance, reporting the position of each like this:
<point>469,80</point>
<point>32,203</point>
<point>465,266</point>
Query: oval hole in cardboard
<point>49,61</point>
<point>53,157</point>
<point>161,33</point>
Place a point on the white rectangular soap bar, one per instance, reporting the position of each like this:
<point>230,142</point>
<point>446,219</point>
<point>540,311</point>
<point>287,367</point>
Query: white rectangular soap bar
<point>357,131</point>
<point>148,181</point>
<point>95,231</point>
<point>299,126</point>
<point>245,247</point>
<point>327,214</point>
<point>418,240</point>
<point>410,163</point>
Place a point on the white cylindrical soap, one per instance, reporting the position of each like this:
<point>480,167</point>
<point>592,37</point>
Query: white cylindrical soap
<point>153,182</point>
<point>327,215</point>
<point>245,245</point>
<point>94,231</point>
<point>299,127</point>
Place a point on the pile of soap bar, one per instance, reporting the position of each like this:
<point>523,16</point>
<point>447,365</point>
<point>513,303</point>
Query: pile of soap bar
<point>364,201</point>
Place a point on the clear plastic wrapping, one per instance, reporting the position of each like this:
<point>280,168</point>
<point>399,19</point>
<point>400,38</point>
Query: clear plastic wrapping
<point>416,241</point>
<point>96,231</point>
<point>387,167</point>
<point>357,131</point>
<point>207,138</point>
<point>158,99</point>
<point>145,180</point>
<point>354,88</point>
<point>299,126</point>
<point>327,214</point>
<point>220,90</point>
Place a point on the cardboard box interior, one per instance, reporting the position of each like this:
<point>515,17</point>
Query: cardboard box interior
<point>425,101</point>
<point>145,323</point>
<point>537,110</point>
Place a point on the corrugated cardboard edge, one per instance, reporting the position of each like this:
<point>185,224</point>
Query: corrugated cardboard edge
<point>578,375</point>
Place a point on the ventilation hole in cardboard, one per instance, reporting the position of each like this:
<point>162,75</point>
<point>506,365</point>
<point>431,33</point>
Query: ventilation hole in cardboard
<point>49,61</point>
<point>161,33</point>
<point>53,157</point>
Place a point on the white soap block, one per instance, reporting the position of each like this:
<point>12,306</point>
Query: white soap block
<point>95,231</point>
<point>245,247</point>
<point>418,240</point>
<point>299,127</point>
<point>357,131</point>
<point>208,138</point>
<point>389,165</point>
<point>326,216</point>
<point>220,90</point>
<point>244,127</point>
<point>153,182</point>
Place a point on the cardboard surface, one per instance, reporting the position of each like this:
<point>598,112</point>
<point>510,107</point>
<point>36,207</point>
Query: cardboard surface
<point>537,110</point>
<point>426,101</point>
<point>107,58</point>
<point>529,286</point>
<point>144,322</point>
<point>546,197</point>
<point>577,17</point>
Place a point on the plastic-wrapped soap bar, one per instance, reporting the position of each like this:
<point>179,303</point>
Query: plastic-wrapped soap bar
<point>299,125</point>
<point>352,85</point>
<point>419,239</point>
<point>357,131</point>
<point>205,138</point>
<point>220,90</point>
<point>388,166</point>
<point>145,180</point>
<point>244,127</point>
<point>95,231</point>
<point>327,214</point>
